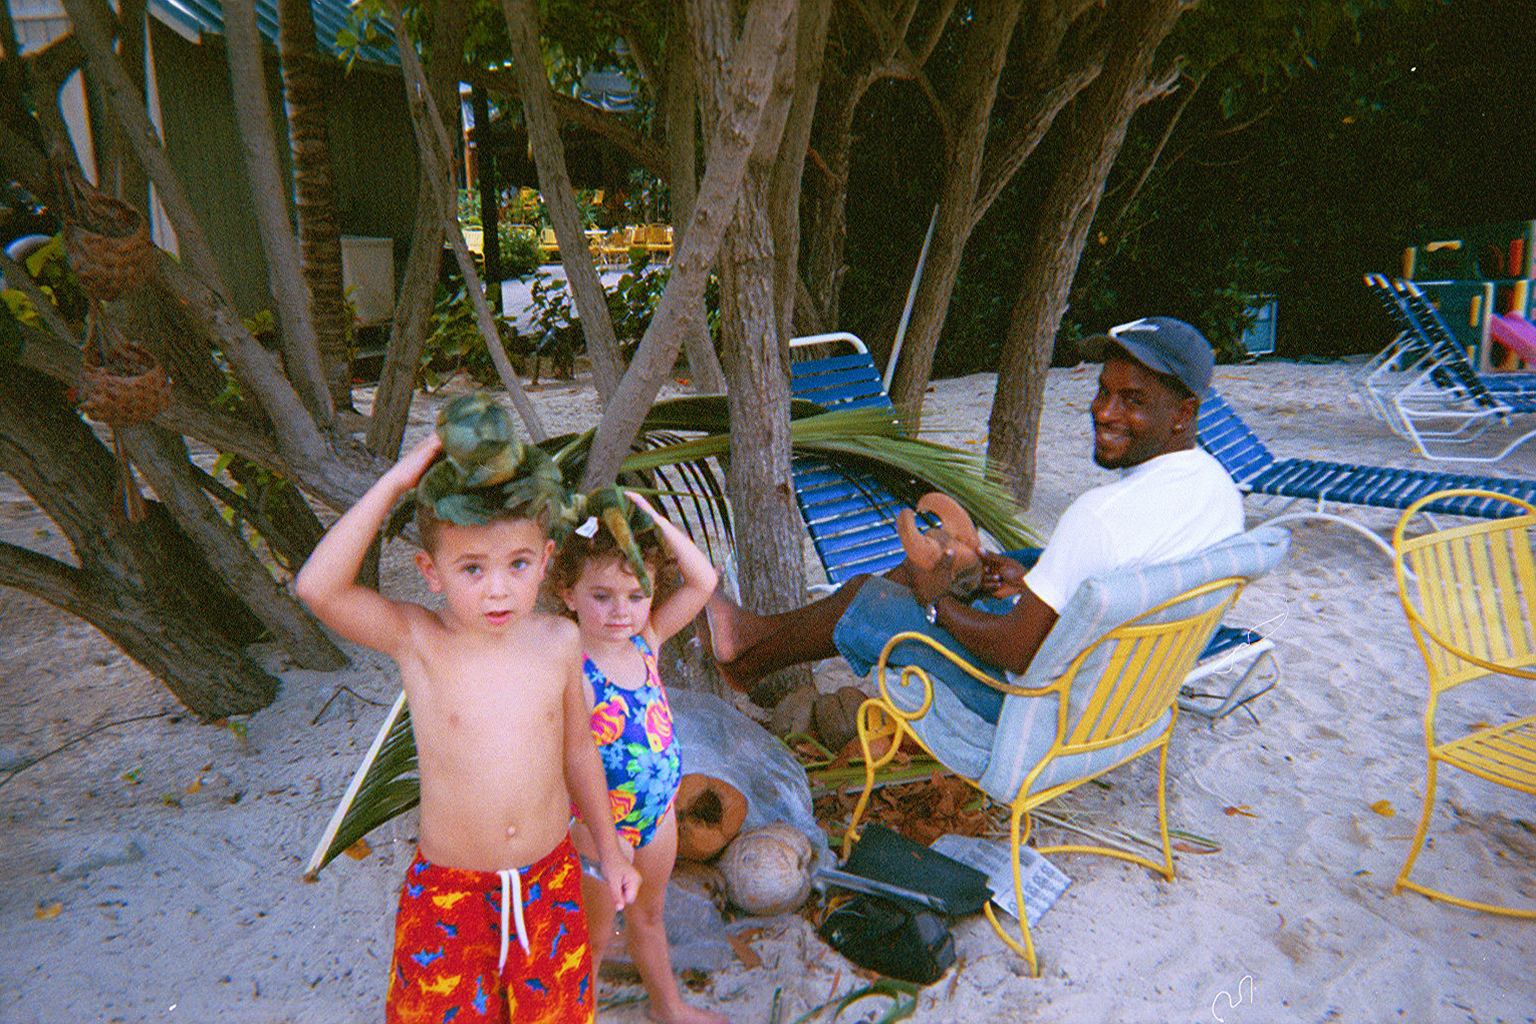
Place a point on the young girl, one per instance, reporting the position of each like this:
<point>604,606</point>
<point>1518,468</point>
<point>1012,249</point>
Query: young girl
<point>621,631</point>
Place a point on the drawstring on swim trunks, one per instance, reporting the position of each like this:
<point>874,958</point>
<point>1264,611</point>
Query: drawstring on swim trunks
<point>510,881</point>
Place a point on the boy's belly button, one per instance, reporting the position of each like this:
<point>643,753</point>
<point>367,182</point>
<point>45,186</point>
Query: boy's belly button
<point>511,831</point>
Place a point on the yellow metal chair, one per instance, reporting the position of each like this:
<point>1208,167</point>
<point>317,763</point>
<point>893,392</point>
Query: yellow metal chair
<point>657,239</point>
<point>549,245</point>
<point>1114,702</point>
<point>1470,596</point>
<point>616,246</point>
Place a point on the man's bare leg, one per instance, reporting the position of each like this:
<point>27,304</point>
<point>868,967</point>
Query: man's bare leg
<point>747,646</point>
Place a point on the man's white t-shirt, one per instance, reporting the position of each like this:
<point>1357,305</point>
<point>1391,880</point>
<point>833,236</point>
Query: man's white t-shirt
<point>1164,509</point>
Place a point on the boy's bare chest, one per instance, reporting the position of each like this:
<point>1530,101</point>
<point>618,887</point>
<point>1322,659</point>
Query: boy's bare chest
<point>489,700</point>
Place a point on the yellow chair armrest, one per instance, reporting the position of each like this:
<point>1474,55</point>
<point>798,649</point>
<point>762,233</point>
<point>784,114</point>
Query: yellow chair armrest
<point>958,662</point>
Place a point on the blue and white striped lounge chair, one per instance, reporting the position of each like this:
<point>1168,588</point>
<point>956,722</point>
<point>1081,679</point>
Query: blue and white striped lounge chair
<point>850,516</point>
<point>1256,471</point>
<point>1427,390</point>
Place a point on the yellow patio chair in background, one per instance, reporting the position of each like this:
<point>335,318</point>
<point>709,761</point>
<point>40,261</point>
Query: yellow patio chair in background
<point>616,246</point>
<point>658,239</point>
<point>1101,691</point>
<point>1470,596</point>
<point>549,245</point>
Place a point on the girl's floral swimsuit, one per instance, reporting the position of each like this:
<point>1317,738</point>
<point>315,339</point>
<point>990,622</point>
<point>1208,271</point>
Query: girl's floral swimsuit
<point>633,730</point>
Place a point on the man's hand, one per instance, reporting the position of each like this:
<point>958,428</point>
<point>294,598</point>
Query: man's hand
<point>929,584</point>
<point>1001,576</point>
<point>623,880</point>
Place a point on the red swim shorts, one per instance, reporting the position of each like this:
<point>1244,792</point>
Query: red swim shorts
<point>449,937</point>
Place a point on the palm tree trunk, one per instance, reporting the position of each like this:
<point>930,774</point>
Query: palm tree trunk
<point>305,76</point>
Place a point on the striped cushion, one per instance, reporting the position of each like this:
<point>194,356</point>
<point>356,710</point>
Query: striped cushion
<point>999,757</point>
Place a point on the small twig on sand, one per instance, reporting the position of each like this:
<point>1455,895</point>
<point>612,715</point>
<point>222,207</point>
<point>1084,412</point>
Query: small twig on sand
<point>339,690</point>
<point>83,736</point>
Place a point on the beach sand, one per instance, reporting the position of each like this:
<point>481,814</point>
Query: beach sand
<point>151,869</point>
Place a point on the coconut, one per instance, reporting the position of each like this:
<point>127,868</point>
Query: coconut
<point>837,717</point>
<point>768,870</point>
<point>709,814</point>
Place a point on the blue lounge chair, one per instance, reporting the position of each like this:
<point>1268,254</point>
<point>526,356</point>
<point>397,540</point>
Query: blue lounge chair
<point>1256,471</point>
<point>1427,390</point>
<point>850,516</point>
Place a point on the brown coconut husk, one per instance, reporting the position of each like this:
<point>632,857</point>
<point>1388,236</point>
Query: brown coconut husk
<point>710,813</point>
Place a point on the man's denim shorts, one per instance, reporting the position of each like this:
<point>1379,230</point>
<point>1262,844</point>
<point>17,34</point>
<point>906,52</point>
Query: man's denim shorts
<point>882,609</point>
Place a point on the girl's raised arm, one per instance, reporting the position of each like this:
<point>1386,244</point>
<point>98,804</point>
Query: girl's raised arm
<point>699,577</point>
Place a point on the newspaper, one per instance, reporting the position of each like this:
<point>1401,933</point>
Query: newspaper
<point>1043,882</point>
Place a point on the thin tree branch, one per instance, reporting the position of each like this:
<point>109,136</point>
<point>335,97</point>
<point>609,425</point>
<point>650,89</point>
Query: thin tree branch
<point>434,148</point>
<point>79,739</point>
<point>248,82</point>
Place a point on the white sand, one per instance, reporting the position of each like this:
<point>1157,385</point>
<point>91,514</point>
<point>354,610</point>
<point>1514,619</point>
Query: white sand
<point>172,851</point>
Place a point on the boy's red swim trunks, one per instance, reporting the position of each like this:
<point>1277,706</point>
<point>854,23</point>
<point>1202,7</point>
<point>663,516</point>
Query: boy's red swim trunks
<point>449,937</point>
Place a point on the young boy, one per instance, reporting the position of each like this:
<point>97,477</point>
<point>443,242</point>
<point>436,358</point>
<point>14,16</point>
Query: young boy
<point>490,925</point>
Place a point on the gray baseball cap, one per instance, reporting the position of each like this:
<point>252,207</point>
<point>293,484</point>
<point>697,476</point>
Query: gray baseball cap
<point>1163,344</point>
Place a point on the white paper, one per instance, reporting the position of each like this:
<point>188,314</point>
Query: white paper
<point>1043,882</point>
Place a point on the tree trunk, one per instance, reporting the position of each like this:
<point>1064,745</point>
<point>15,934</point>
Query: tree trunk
<point>559,198</point>
<point>832,142</point>
<point>408,328</point>
<point>248,86</point>
<point>680,118</point>
<point>757,291</point>
<point>754,107</point>
<point>418,285</point>
<point>305,77</point>
<point>490,202</point>
<point>162,457</point>
<point>1097,131</point>
<point>143,585</point>
<point>970,108</point>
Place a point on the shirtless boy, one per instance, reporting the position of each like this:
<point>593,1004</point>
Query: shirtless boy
<point>490,926</point>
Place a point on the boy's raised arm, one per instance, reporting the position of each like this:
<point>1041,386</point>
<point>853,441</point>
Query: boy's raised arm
<point>699,576</point>
<point>588,786</point>
<point>328,581</point>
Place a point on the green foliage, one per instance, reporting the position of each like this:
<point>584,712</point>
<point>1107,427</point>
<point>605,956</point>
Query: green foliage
<point>455,343</point>
<point>520,254</point>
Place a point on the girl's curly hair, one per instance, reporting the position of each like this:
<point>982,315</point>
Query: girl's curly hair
<point>576,552</point>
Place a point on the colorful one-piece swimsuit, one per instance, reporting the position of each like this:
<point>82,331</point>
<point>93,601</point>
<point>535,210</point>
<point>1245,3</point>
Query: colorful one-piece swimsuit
<point>633,730</point>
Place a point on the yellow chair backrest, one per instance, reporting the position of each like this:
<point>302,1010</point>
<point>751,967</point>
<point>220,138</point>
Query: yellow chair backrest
<point>1469,593</point>
<point>1146,667</point>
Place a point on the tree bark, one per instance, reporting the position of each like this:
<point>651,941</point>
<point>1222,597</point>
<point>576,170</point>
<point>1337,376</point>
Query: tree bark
<point>490,202</point>
<point>679,115</point>
<point>753,107</point>
<point>408,328</point>
<point>437,163</point>
<point>559,198</point>
<point>757,270</point>
<point>1097,132</point>
<point>248,85</point>
<point>162,457</point>
<point>970,112</point>
<point>305,76</point>
<point>143,585</point>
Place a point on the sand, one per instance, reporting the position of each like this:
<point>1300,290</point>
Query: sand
<point>151,869</point>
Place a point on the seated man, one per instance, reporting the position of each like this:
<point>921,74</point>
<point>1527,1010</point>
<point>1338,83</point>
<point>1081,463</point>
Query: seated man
<point>1171,500</point>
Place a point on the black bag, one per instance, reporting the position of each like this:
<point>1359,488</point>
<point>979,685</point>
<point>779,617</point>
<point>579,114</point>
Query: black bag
<point>912,945</point>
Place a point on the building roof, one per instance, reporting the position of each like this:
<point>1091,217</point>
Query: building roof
<point>196,18</point>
